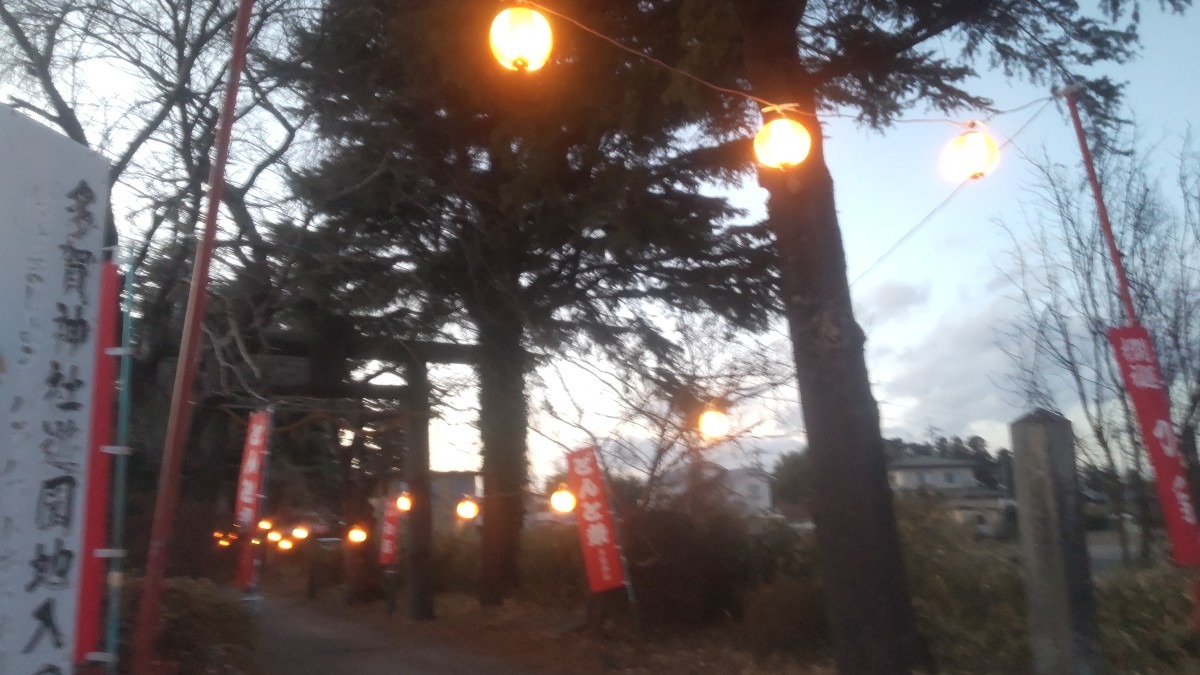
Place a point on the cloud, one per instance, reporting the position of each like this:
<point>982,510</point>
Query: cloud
<point>953,379</point>
<point>892,300</point>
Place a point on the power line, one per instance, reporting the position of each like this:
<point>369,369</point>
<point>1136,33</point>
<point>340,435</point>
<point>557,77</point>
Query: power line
<point>954,193</point>
<point>768,105</point>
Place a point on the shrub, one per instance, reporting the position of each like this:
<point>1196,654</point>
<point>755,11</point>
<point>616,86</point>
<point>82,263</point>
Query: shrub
<point>785,612</point>
<point>552,564</point>
<point>688,570</point>
<point>779,550</point>
<point>456,561</point>
<point>205,629</point>
<point>787,616</point>
<point>970,602</point>
<point>967,593</point>
<point>1146,621</point>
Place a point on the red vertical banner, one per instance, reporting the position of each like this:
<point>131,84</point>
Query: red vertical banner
<point>389,536</point>
<point>1144,383</point>
<point>245,510</point>
<point>597,536</point>
<point>95,534</point>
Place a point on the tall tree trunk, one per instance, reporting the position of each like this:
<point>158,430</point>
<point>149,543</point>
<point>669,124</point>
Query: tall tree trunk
<point>357,511</point>
<point>502,427</point>
<point>867,594</point>
<point>416,470</point>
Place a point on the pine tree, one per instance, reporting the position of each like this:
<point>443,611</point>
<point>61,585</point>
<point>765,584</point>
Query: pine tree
<point>522,209</point>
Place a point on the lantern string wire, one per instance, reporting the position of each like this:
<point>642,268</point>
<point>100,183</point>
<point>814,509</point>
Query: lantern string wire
<point>767,105</point>
<point>642,55</point>
<point>949,198</point>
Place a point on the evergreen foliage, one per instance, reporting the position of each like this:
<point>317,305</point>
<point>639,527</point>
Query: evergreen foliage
<point>524,209</point>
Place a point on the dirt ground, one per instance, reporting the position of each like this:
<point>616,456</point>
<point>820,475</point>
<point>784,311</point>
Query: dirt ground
<point>519,637</point>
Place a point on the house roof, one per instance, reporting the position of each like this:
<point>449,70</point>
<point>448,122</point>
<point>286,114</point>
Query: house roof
<point>922,462</point>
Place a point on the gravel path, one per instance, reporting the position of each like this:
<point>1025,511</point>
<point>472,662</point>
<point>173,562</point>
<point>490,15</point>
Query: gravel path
<point>297,638</point>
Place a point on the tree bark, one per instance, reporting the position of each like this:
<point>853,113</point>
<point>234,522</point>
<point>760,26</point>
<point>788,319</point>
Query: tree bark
<point>867,594</point>
<point>502,426</point>
<point>420,517</point>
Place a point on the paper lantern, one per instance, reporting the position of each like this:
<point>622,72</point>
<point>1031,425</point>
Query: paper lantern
<point>521,39</point>
<point>782,143</point>
<point>562,500</point>
<point>972,154</point>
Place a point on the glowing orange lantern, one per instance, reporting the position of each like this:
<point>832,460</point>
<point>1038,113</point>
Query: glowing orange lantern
<point>521,39</point>
<point>714,423</point>
<point>562,500</point>
<point>356,535</point>
<point>404,502</point>
<point>782,143</point>
<point>467,509</point>
<point>285,545</point>
<point>973,154</point>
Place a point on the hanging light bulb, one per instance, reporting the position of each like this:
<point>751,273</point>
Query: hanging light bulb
<point>274,535</point>
<point>562,500</point>
<point>521,39</point>
<point>467,509</point>
<point>285,545</point>
<point>714,423</point>
<point>300,532</point>
<point>404,501</point>
<point>782,143</point>
<point>356,535</point>
<point>972,154</point>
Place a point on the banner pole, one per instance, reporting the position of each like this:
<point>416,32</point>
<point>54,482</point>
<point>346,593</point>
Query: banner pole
<point>1131,316</point>
<point>145,633</point>
<point>1102,210</point>
<point>120,471</point>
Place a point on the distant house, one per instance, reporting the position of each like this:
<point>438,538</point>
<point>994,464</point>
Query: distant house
<point>746,489</point>
<point>987,511</point>
<point>749,488</point>
<point>931,473</point>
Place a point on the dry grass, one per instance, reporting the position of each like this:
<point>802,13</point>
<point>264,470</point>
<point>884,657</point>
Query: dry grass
<point>541,639</point>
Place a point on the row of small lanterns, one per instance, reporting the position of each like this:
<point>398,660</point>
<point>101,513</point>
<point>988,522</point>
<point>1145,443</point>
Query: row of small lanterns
<point>298,533</point>
<point>521,40</point>
<point>467,509</point>
<point>712,423</point>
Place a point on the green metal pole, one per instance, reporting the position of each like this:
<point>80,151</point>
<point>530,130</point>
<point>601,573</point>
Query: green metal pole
<point>124,406</point>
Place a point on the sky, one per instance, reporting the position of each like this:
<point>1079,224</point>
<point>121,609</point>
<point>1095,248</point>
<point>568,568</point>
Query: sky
<point>932,308</point>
